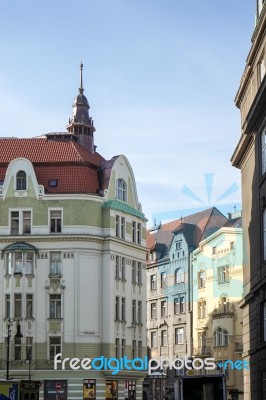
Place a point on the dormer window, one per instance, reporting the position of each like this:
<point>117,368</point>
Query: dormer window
<point>21,180</point>
<point>121,190</point>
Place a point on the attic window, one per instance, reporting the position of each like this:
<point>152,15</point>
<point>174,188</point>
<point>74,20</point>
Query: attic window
<point>21,180</point>
<point>53,183</point>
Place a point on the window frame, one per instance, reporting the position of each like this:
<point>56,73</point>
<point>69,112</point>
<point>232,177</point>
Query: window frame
<point>179,336</point>
<point>221,337</point>
<point>20,224</point>
<point>55,300</point>
<point>55,265</point>
<point>54,346</point>
<point>55,221</point>
<point>21,181</point>
<point>121,190</point>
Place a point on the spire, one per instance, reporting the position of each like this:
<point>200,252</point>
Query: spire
<point>81,124</point>
<point>81,90</point>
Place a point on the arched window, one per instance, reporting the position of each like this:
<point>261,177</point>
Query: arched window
<point>221,337</point>
<point>21,180</point>
<point>121,190</point>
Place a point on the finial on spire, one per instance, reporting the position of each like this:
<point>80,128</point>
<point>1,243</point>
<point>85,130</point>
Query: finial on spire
<point>81,90</point>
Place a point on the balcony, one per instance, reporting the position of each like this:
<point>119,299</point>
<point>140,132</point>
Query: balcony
<point>203,351</point>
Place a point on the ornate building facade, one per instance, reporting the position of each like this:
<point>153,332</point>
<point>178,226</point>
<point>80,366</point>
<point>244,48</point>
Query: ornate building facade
<point>249,156</point>
<point>72,265</point>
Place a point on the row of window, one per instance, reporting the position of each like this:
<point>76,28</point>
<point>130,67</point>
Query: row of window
<point>19,262</point>
<point>120,348</point>
<point>21,221</point>
<point>179,337</point>
<point>223,276</point>
<point>120,270</point>
<point>120,229</point>
<point>55,306</point>
<point>179,278</point>
<point>221,338</point>
<point>120,310</point>
<point>179,307</point>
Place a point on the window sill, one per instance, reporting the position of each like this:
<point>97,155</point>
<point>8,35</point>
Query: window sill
<point>55,275</point>
<point>17,273</point>
<point>30,275</point>
<point>55,319</point>
<point>29,319</point>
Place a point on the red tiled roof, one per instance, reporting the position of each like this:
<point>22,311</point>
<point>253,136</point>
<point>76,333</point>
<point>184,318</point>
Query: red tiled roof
<point>74,167</point>
<point>42,150</point>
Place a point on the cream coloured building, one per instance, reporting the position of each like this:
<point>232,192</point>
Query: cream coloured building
<point>72,265</point>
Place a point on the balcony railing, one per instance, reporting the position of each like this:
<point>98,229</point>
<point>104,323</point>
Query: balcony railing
<point>203,351</point>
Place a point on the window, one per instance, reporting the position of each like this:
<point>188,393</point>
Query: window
<point>123,348</point>
<point>264,232</point>
<point>55,221</point>
<point>263,153</point>
<point>223,274</point>
<point>153,282</point>
<point>134,311</point>
<point>121,190</point>
<point>163,308</point>
<point>123,309</point>
<point>120,227</point>
<point>117,345</point>
<point>139,312</point>
<point>182,304</point>
<point>55,305</point>
<point>224,305</point>
<point>139,274</point>
<point>261,70</point>
<point>55,263</point>
<point>179,276</point>
<point>134,231</point>
<point>202,339</point>
<point>264,321</point>
<point>14,222</point>
<point>117,315</point>
<point>20,222</point>
<point>17,348</point>
<point>179,305</point>
<point>54,346</point>
<point>153,340</point>
<point>21,180</point>
<point>178,245</point>
<point>202,312</point>
<point>220,337</point>
<point>232,245</point>
<point>26,222</point>
<point>163,279</point>
<point>117,267</point>
<point>153,310</point>
<point>179,336</point>
<point>29,305</point>
<point>18,303</point>
<point>123,268</point>
<point>134,349</point>
<point>140,349</point>
<point>260,5</point>
<point>201,279</point>
<point>264,384</point>
<point>29,348</point>
<point>7,301</point>
<point>134,271</point>
<point>19,260</point>
<point>139,233</point>
<point>214,250</point>
<point>28,263</point>
<point>163,338</point>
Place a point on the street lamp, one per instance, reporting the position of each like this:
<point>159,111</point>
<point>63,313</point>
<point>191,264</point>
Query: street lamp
<point>17,335</point>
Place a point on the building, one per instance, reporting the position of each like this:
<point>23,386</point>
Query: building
<point>217,288</point>
<point>72,265</point>
<point>169,303</point>
<point>249,157</point>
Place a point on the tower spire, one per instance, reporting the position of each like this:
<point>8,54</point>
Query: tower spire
<point>81,124</point>
<point>81,90</point>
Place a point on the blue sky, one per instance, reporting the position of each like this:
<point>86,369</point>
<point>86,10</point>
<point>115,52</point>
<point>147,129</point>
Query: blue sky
<point>160,77</point>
